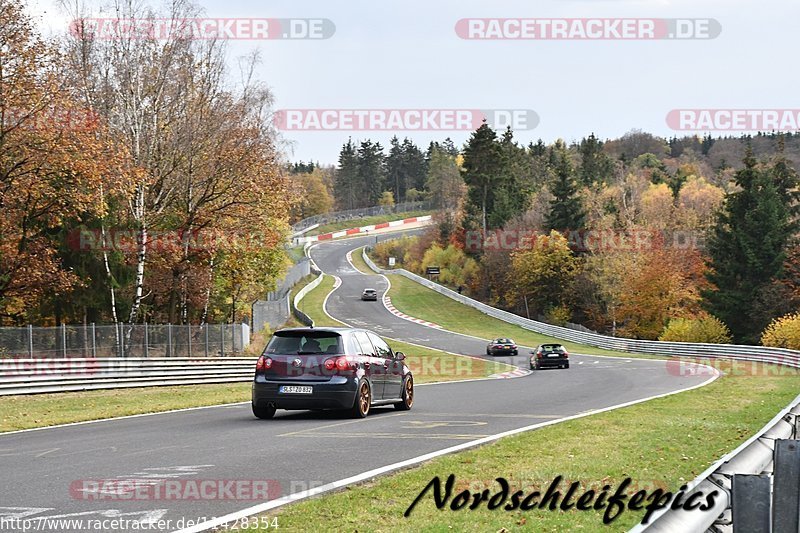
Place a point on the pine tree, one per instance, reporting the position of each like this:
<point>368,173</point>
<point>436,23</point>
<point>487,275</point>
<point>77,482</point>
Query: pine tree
<point>747,249</point>
<point>566,211</point>
<point>371,173</point>
<point>346,179</point>
<point>482,171</point>
<point>596,166</point>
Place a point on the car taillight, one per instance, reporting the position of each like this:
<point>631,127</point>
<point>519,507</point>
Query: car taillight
<point>513,345</point>
<point>538,355</point>
<point>263,363</point>
<point>566,353</point>
<point>340,363</point>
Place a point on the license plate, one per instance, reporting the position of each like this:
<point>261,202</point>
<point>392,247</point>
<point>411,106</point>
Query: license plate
<point>295,389</point>
<point>553,355</point>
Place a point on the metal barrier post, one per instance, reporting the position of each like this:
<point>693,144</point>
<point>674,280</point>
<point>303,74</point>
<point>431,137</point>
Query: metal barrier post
<point>30,341</point>
<point>64,340</point>
<point>786,488</point>
<point>222,340</point>
<point>169,340</point>
<point>189,337</point>
<point>94,342</point>
<point>146,341</point>
<point>205,327</point>
<point>751,503</point>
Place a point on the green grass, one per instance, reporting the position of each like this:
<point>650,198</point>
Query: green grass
<point>38,410</point>
<point>413,299</point>
<point>360,264</point>
<point>365,221</point>
<point>660,443</point>
<point>296,253</point>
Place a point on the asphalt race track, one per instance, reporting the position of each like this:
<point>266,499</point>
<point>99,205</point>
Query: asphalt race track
<point>299,450</point>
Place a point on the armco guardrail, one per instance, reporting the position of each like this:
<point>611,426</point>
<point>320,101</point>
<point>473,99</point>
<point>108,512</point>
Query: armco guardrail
<point>41,375</point>
<point>752,457</point>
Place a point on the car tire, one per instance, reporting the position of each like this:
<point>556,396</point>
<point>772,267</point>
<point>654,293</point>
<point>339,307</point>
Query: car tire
<point>363,400</point>
<point>488,352</point>
<point>408,395</point>
<point>264,412</point>
<point>566,366</point>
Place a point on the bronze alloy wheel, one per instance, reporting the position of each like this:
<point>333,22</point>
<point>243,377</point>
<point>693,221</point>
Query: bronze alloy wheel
<point>363,401</point>
<point>408,395</point>
<point>363,398</point>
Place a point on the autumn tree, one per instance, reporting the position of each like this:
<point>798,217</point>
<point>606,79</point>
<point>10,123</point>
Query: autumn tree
<point>206,151</point>
<point>55,162</point>
<point>541,277</point>
<point>313,196</point>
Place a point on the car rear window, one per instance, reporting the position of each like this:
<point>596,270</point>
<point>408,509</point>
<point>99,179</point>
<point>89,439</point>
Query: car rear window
<point>553,348</point>
<point>305,342</point>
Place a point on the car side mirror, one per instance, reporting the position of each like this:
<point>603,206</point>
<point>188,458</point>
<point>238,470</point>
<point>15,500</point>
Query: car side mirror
<point>400,356</point>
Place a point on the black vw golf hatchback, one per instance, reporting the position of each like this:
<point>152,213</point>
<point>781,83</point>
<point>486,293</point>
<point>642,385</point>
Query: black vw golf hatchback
<point>330,368</point>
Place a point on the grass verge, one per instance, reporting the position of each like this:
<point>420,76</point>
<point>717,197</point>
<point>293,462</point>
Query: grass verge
<point>365,221</point>
<point>38,410</point>
<point>420,302</point>
<point>359,263</point>
<point>672,440</point>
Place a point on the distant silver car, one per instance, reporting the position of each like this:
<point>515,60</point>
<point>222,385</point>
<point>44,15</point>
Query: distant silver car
<point>369,294</point>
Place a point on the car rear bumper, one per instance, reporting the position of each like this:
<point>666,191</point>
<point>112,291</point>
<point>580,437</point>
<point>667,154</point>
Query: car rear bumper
<point>338,393</point>
<point>546,362</point>
<point>370,298</point>
<point>510,351</point>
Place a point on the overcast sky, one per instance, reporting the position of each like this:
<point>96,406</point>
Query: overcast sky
<point>392,54</point>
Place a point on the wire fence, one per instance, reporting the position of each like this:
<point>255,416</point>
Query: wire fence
<point>124,340</point>
<point>351,214</point>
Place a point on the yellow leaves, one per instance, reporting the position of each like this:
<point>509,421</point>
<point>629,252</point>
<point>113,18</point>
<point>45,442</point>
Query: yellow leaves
<point>783,332</point>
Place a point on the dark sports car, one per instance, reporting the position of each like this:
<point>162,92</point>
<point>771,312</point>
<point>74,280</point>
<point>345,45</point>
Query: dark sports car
<point>501,346</point>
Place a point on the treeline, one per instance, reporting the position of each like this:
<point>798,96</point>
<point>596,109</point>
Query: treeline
<point>366,176</point>
<point>690,238</point>
<point>135,185</point>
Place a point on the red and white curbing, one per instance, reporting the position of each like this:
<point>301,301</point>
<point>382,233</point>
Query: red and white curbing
<point>387,303</point>
<point>364,229</point>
